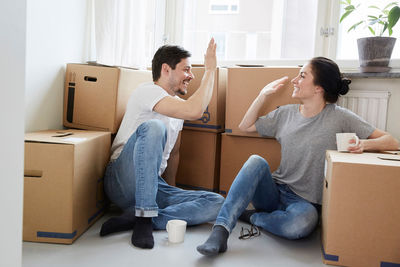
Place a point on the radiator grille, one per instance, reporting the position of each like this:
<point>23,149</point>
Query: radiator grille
<point>372,106</point>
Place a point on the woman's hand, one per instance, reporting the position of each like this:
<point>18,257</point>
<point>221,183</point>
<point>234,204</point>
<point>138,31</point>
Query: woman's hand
<point>248,122</point>
<point>356,148</point>
<point>274,86</point>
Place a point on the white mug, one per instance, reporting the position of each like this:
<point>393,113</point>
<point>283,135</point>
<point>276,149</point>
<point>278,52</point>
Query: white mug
<point>343,139</point>
<point>176,230</point>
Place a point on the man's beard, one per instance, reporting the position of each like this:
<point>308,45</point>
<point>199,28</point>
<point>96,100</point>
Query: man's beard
<point>182,92</point>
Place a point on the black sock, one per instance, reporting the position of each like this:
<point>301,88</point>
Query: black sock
<point>216,243</point>
<point>121,223</point>
<point>142,236</point>
<point>245,217</point>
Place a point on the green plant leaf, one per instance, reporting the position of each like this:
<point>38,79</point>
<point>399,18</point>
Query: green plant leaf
<point>345,15</point>
<point>390,32</point>
<point>349,8</point>
<point>371,30</point>
<point>372,17</point>
<point>374,7</point>
<point>385,26</point>
<point>373,21</point>
<point>355,26</point>
<point>389,5</point>
<point>393,16</point>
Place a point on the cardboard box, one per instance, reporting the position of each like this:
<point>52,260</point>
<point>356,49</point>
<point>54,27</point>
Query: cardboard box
<point>243,86</point>
<point>360,211</point>
<point>63,183</point>
<point>213,119</point>
<point>235,151</point>
<point>95,97</point>
<point>199,160</point>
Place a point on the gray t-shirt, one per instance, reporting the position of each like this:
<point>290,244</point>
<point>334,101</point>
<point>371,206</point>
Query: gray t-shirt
<point>304,142</point>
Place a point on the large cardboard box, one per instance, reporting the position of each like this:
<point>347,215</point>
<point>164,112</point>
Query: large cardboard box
<point>213,119</point>
<point>199,160</point>
<point>360,211</point>
<point>63,183</point>
<point>235,151</point>
<point>95,97</point>
<point>243,86</point>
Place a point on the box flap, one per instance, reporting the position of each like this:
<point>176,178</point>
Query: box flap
<point>365,158</point>
<point>70,136</point>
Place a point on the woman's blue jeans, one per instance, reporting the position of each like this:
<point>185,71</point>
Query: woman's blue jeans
<point>132,183</point>
<point>279,210</point>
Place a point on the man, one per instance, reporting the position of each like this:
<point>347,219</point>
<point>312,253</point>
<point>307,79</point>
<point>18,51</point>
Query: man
<point>148,141</point>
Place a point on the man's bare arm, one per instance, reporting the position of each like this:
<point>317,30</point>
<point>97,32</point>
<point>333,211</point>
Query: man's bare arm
<point>194,106</point>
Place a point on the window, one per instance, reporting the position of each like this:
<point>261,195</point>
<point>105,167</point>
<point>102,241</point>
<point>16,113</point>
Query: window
<point>347,41</point>
<point>250,30</point>
<point>126,32</point>
<point>268,32</point>
<point>224,7</point>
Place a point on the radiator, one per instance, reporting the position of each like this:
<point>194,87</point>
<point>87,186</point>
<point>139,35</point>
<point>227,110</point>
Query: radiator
<point>372,106</point>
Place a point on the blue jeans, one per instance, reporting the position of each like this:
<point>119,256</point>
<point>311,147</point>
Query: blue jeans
<point>133,184</point>
<point>279,210</point>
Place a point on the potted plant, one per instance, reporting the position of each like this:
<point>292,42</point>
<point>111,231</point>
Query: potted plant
<point>374,52</point>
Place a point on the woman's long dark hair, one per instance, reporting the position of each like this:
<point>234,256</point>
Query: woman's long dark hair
<point>327,75</point>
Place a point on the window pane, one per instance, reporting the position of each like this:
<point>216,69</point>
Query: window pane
<point>250,29</point>
<point>347,41</point>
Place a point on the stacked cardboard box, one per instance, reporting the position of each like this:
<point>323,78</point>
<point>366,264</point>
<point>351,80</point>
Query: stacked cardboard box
<point>199,160</point>
<point>95,97</point>
<point>360,215</point>
<point>237,149</point>
<point>64,168</point>
<point>201,139</point>
<point>63,183</point>
<point>243,86</point>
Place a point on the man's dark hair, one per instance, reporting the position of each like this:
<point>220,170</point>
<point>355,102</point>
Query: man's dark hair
<point>170,54</point>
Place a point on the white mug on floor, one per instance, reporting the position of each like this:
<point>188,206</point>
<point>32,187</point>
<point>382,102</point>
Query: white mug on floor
<point>176,230</point>
<point>343,139</point>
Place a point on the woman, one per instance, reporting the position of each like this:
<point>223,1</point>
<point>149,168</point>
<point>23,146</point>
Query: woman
<point>286,201</point>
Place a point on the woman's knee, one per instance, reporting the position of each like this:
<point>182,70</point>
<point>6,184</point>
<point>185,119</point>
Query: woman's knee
<point>256,162</point>
<point>301,225</point>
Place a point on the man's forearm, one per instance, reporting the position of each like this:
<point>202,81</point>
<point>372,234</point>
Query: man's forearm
<point>201,98</point>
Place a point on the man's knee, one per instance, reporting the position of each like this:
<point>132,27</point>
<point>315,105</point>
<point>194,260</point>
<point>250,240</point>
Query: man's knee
<point>217,198</point>
<point>154,128</point>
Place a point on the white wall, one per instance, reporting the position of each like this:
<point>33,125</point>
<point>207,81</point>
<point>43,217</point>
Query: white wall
<point>37,39</point>
<point>391,85</point>
<point>56,35</point>
<point>12,74</point>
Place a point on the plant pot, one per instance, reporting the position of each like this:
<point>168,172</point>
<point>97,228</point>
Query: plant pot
<point>374,53</point>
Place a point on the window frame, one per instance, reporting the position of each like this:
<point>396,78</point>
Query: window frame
<point>327,18</point>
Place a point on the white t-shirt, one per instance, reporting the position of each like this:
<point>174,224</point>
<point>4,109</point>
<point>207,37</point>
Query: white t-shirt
<point>140,109</point>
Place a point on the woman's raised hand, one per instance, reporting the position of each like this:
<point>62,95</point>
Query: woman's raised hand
<point>274,86</point>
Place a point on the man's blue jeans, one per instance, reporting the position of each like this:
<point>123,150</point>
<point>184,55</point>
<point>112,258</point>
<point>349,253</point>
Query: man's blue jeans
<point>132,183</point>
<point>279,210</point>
